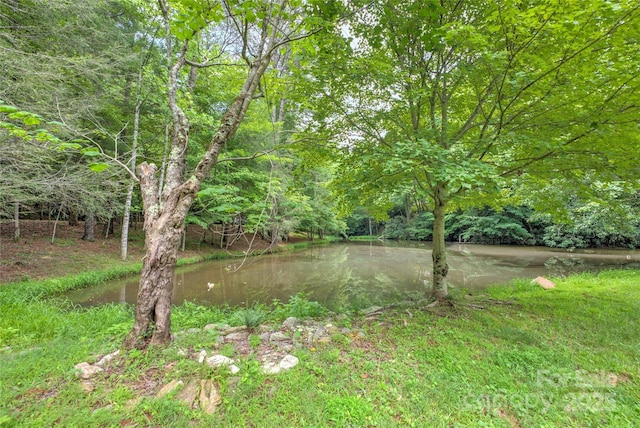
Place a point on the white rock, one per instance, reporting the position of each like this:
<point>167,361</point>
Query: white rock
<point>288,362</point>
<point>104,360</point>
<point>202,356</point>
<point>219,361</point>
<point>271,368</point>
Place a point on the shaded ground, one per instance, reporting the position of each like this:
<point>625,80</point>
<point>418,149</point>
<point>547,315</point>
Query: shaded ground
<point>34,256</point>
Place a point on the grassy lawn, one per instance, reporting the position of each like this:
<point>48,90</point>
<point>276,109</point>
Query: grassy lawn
<point>511,356</point>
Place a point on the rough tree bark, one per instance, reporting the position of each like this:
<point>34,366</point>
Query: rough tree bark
<point>89,226</point>
<point>165,209</point>
<point>439,254</point>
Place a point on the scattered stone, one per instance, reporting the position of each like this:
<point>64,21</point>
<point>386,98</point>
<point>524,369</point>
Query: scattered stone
<point>202,356</point>
<point>320,331</point>
<point>278,336</point>
<point>219,340</point>
<point>371,310</point>
<point>219,327</point>
<point>192,331</point>
<point>272,367</point>
<point>189,392</point>
<point>361,335</point>
<point>168,388</point>
<point>544,283</point>
<point>286,347</point>
<point>237,336</point>
<point>288,362</point>
<point>291,323</point>
<point>235,329</point>
<point>209,397</point>
<point>86,370</point>
<point>331,329</point>
<point>218,361</point>
<point>346,330</point>
<point>264,337</point>
<point>87,386</point>
<point>104,360</point>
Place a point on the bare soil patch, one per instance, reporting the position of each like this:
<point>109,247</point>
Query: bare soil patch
<point>35,256</point>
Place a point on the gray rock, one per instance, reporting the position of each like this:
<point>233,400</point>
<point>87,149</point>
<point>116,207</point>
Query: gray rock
<point>287,347</point>
<point>236,336</point>
<point>320,331</point>
<point>278,336</point>
<point>346,330</point>
<point>264,337</point>
<point>201,356</point>
<point>235,329</point>
<point>291,323</point>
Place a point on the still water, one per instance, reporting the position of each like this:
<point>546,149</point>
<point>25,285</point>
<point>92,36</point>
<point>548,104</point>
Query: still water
<point>356,275</point>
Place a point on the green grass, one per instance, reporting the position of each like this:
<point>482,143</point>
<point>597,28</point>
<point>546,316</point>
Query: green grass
<point>511,356</point>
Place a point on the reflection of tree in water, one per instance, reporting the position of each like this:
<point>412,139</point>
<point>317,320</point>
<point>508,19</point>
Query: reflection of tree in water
<point>558,266</point>
<point>326,276</point>
<point>469,269</point>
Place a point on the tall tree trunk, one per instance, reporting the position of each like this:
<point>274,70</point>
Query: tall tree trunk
<point>89,226</point>
<point>166,204</point>
<point>124,237</point>
<point>16,221</point>
<point>439,254</point>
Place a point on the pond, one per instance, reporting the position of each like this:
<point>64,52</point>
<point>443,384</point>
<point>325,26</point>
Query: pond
<point>356,275</point>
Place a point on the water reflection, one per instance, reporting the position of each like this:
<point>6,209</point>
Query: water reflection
<point>357,275</point>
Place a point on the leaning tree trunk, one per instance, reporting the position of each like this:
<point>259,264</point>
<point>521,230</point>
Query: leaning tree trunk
<point>165,206</point>
<point>439,254</point>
